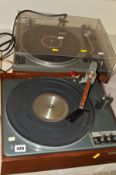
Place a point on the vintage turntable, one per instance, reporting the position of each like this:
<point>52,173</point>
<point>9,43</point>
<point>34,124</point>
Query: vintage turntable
<point>36,132</point>
<point>45,45</point>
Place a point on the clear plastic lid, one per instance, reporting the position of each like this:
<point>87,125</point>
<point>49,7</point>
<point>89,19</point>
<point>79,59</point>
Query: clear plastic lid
<point>63,39</point>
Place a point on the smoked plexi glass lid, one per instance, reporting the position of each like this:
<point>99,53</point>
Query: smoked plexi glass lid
<point>59,39</point>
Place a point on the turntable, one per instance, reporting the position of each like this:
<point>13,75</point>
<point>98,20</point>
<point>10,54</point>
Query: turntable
<point>36,130</point>
<point>44,45</point>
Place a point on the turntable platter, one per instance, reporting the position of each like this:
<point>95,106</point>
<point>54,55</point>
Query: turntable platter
<point>29,116</point>
<point>50,107</point>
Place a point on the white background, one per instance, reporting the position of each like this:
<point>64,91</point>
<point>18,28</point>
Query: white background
<point>104,9</point>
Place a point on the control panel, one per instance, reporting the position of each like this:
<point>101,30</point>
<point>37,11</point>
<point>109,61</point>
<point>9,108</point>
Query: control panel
<point>104,137</point>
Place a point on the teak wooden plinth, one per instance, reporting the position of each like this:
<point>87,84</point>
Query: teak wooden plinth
<point>101,77</point>
<point>33,163</point>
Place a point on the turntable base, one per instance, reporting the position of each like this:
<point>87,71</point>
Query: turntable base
<point>85,149</point>
<point>56,161</point>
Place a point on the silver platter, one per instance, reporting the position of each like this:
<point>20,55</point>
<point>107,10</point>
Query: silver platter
<point>50,107</point>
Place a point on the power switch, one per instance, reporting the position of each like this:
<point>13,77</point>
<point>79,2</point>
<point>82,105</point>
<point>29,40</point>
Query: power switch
<point>20,60</point>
